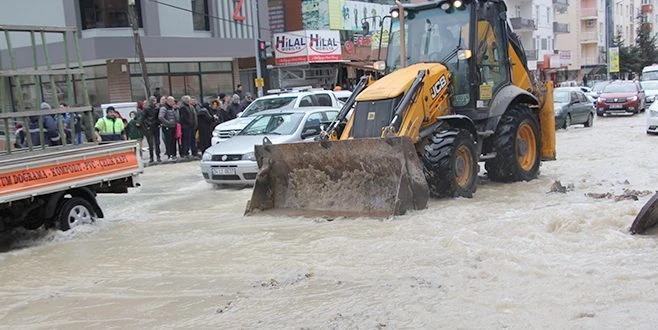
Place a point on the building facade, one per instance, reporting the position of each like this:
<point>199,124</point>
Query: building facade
<point>190,46</point>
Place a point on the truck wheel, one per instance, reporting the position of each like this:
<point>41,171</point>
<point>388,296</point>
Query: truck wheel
<point>450,164</point>
<point>517,143</point>
<point>74,212</point>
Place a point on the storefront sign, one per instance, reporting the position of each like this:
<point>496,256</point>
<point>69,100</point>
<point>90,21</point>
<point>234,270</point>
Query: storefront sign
<point>310,46</point>
<point>290,48</point>
<point>323,46</point>
<point>238,7</point>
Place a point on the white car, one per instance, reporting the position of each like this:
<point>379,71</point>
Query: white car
<point>652,119</point>
<point>283,101</point>
<point>343,95</point>
<point>650,90</point>
<point>233,162</point>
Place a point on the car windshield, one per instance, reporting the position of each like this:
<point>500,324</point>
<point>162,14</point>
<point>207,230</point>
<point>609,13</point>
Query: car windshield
<point>277,124</point>
<point>598,87</point>
<point>651,75</point>
<point>561,96</point>
<point>277,103</point>
<point>430,35</point>
<point>620,88</point>
<point>653,85</point>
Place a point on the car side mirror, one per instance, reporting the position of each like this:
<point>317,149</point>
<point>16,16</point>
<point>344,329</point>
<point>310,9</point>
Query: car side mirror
<point>311,131</point>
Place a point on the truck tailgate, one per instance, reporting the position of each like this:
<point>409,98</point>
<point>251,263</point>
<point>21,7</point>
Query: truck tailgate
<point>28,174</point>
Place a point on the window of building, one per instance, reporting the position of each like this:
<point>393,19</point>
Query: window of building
<point>96,14</point>
<point>544,44</point>
<point>548,15</point>
<point>200,15</point>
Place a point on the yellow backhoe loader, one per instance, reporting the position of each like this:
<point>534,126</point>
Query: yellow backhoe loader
<point>456,92</point>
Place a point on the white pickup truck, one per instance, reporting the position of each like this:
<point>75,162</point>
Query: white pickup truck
<point>58,186</point>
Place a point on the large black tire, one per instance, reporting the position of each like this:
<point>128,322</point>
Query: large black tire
<point>74,212</point>
<point>517,142</point>
<point>450,163</point>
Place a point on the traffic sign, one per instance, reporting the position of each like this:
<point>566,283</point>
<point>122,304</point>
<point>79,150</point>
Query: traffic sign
<point>260,82</point>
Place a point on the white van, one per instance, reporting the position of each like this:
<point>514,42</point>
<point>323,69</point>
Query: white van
<point>650,72</point>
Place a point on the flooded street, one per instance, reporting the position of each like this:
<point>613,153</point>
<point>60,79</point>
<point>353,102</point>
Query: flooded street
<point>177,253</point>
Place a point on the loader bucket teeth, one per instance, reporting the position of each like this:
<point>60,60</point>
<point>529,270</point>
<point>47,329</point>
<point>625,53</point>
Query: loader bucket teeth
<point>647,218</point>
<point>351,178</point>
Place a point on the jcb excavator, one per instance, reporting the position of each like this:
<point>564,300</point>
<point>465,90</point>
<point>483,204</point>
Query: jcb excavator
<point>456,91</point>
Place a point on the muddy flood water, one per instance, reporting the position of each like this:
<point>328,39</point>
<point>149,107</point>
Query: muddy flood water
<point>177,253</point>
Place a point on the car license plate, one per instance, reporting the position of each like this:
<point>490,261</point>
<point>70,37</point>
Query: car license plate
<point>616,106</point>
<point>223,170</point>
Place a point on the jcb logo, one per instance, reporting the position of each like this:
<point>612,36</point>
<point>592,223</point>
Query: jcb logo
<point>439,86</point>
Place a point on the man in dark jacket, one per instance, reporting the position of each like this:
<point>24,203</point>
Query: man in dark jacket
<point>52,136</point>
<point>234,108</point>
<point>152,127</point>
<point>187,122</point>
<point>247,101</point>
<point>169,117</point>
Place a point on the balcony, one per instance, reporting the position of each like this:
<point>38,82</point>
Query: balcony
<point>561,5</point>
<point>647,8</point>
<point>560,27</point>
<point>523,24</point>
<point>589,37</point>
<point>531,54</point>
<point>589,13</point>
<point>590,60</point>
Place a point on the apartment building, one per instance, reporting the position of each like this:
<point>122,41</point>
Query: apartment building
<point>586,40</point>
<point>191,46</point>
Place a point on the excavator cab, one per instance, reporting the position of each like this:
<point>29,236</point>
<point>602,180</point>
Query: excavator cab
<point>456,92</point>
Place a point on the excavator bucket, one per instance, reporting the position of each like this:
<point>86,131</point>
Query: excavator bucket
<point>351,178</point>
<point>647,218</point>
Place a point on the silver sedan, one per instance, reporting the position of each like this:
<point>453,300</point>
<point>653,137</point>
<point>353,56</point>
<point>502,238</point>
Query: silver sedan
<point>233,161</point>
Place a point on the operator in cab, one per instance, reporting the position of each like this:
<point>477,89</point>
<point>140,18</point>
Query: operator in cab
<point>110,127</point>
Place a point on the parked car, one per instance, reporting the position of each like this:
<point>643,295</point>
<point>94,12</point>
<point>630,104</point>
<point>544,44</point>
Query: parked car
<point>621,96</point>
<point>597,88</point>
<point>282,101</point>
<point>233,162</point>
<point>343,95</point>
<point>652,119</point>
<point>572,106</point>
<point>650,90</point>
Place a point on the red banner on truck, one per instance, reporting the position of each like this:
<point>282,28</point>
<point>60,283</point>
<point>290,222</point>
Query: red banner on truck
<point>37,177</point>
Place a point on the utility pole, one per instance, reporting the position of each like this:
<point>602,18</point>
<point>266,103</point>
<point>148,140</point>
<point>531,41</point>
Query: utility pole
<point>132,15</point>
<point>256,27</point>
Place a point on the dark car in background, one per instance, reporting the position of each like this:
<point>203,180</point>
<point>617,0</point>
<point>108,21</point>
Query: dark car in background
<point>620,97</point>
<point>572,107</point>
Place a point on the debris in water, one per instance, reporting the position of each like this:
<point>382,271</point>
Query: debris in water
<point>583,315</point>
<point>628,194</point>
<point>557,187</point>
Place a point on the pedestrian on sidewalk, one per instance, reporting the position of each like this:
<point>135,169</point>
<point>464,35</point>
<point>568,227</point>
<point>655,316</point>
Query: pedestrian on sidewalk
<point>151,125</point>
<point>169,118</point>
<point>135,131</point>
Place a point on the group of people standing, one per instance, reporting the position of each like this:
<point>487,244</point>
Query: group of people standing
<point>184,125</point>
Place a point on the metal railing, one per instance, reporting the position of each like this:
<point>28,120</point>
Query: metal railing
<point>531,54</point>
<point>560,27</point>
<point>19,112</point>
<point>520,23</point>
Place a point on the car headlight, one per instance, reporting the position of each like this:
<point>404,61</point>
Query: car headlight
<point>215,133</point>
<point>631,98</point>
<point>600,99</point>
<point>651,98</point>
<point>206,156</point>
<point>249,156</point>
